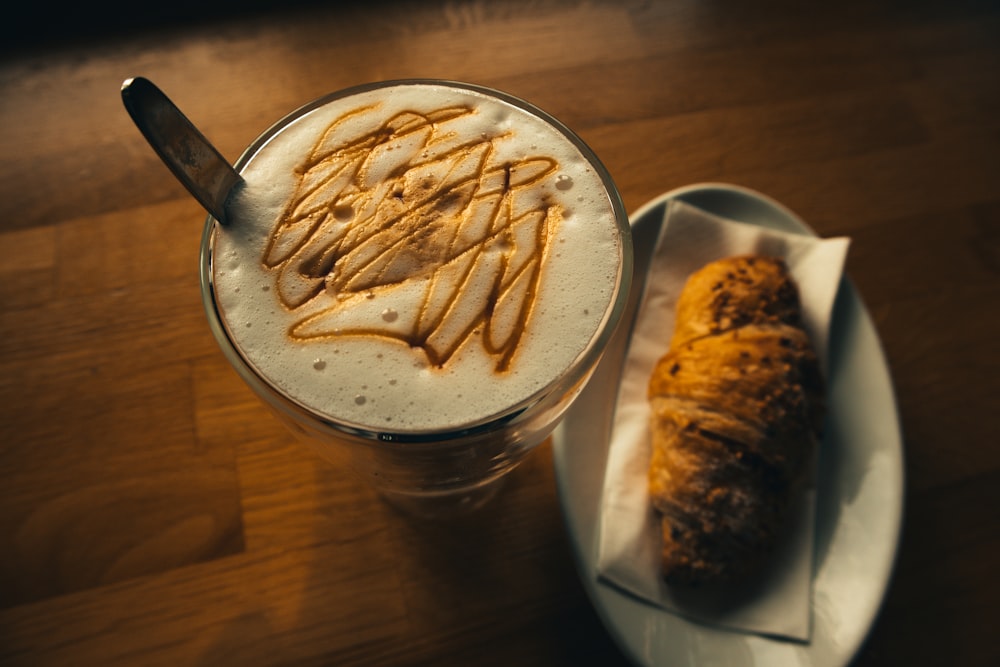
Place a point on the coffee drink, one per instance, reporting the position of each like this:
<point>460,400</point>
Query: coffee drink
<point>418,258</point>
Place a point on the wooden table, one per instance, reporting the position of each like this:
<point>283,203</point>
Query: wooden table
<point>152,513</point>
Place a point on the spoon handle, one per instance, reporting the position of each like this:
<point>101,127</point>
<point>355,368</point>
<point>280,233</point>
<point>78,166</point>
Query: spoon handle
<point>193,160</point>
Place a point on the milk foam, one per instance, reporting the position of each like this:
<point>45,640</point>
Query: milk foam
<point>351,353</point>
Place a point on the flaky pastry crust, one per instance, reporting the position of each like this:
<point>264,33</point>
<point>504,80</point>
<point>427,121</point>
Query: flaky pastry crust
<point>736,409</point>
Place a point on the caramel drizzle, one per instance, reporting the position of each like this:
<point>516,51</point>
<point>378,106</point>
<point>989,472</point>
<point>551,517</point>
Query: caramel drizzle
<point>413,204</point>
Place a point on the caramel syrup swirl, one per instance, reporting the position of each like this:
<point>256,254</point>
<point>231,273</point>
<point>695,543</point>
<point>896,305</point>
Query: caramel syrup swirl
<point>414,206</point>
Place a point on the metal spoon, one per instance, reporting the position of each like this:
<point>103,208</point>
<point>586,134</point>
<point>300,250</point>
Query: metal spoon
<point>193,160</point>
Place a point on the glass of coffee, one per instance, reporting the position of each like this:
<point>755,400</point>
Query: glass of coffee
<point>418,277</point>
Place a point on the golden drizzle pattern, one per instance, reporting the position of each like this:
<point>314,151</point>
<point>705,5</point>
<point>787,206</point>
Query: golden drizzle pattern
<point>414,205</point>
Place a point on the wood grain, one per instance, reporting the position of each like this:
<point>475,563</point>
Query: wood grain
<point>152,512</point>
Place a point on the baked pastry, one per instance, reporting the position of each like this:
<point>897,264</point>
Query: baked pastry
<point>737,405</point>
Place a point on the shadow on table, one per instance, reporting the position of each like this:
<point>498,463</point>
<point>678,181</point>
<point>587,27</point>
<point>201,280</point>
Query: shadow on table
<point>31,26</point>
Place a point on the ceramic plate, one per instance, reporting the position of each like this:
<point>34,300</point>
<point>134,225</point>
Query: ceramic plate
<point>860,486</point>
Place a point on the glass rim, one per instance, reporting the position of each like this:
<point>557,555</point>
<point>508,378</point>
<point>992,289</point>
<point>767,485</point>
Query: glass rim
<point>574,372</point>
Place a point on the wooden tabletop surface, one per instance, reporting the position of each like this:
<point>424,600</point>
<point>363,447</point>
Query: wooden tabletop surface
<point>152,513</point>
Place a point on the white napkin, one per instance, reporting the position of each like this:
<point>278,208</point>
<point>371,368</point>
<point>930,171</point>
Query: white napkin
<point>778,602</point>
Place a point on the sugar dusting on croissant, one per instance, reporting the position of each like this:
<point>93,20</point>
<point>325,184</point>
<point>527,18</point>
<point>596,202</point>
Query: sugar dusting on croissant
<point>737,403</point>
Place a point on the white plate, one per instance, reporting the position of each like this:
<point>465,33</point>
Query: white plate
<point>860,486</point>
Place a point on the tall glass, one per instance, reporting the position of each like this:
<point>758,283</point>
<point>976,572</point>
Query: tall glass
<point>432,471</point>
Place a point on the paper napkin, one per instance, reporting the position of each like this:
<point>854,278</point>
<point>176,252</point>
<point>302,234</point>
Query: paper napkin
<point>776,603</point>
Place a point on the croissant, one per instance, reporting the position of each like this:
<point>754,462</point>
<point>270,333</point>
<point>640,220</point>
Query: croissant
<point>736,408</point>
